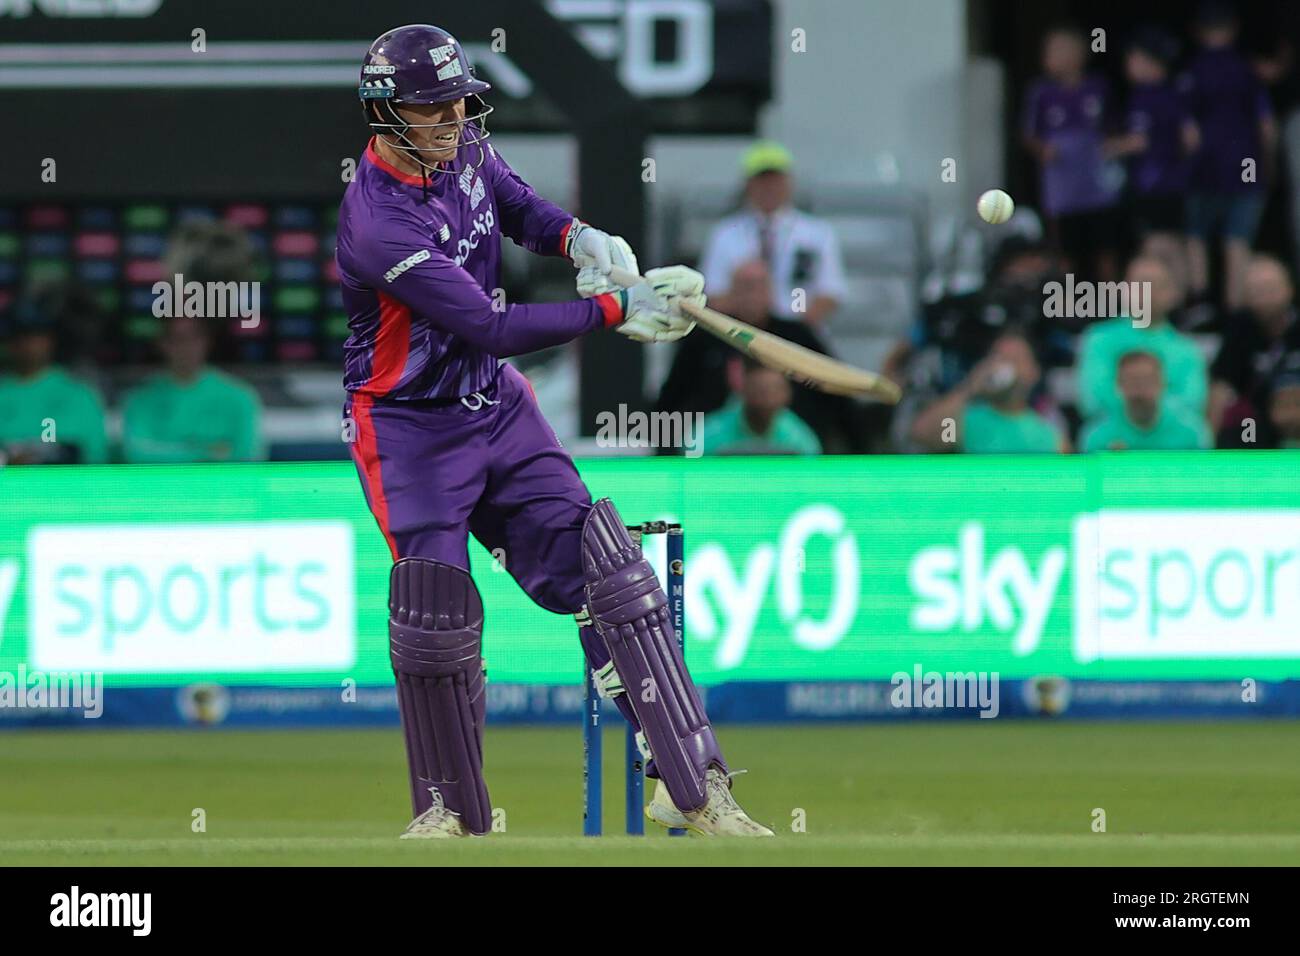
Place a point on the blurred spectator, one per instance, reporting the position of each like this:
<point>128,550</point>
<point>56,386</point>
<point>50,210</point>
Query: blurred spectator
<point>49,417</point>
<point>1284,410</point>
<point>1145,421</point>
<point>1232,111</point>
<point>758,421</point>
<point>190,412</point>
<point>698,379</point>
<point>85,332</point>
<point>989,412</point>
<point>206,250</point>
<point>960,328</point>
<point>800,251</point>
<point>1105,342</point>
<point>1258,344</point>
<point>1064,127</point>
<point>1159,136</point>
<point>1175,263</point>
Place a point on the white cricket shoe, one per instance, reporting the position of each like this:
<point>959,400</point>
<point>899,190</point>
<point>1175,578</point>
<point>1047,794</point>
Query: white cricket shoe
<point>663,811</point>
<point>720,816</point>
<point>436,823</point>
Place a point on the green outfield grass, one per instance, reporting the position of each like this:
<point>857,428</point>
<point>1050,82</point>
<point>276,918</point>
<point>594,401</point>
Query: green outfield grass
<point>975,792</point>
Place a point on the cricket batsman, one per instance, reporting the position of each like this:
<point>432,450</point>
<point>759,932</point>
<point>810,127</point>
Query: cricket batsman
<point>449,440</point>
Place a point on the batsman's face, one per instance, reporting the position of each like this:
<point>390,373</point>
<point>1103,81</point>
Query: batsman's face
<point>435,128</point>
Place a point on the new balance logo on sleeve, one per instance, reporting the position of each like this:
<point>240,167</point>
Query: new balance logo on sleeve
<point>407,263</point>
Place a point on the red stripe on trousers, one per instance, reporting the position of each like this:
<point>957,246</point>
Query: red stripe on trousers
<point>366,450</point>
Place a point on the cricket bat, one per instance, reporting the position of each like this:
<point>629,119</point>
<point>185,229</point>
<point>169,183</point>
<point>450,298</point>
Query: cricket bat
<point>797,363</point>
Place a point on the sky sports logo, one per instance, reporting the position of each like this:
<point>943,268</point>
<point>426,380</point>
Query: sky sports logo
<point>1146,584</point>
<point>192,597</point>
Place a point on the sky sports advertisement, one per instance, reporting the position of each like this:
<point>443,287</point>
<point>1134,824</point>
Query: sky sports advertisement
<point>1134,584</point>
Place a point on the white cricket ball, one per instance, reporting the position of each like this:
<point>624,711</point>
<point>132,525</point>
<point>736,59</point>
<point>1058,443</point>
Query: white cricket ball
<point>995,207</point>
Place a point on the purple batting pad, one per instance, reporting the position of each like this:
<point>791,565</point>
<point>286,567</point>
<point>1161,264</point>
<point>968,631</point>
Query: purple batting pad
<point>630,610</point>
<point>435,631</point>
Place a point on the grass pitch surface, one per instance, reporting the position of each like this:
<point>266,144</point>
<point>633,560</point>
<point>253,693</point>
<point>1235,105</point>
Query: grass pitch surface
<point>976,792</point>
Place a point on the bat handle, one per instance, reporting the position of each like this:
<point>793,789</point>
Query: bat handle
<point>628,279</point>
<point>624,278</point>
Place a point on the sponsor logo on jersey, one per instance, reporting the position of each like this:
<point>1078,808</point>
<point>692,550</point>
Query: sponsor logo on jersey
<point>407,263</point>
<point>444,233</point>
<point>480,228</point>
<point>477,193</point>
<point>466,180</point>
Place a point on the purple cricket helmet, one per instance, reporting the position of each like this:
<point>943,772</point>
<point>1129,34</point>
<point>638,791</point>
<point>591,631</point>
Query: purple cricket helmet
<point>421,65</point>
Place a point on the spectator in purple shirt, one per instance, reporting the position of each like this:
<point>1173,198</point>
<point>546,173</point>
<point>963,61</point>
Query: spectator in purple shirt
<point>1237,138</point>
<point>1159,136</point>
<point>1064,126</point>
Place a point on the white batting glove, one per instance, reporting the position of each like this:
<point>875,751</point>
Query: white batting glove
<point>591,281</point>
<point>653,308</point>
<point>588,246</point>
<point>678,284</point>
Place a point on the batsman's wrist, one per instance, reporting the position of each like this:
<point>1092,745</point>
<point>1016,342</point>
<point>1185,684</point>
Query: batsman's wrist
<point>613,306</point>
<point>570,235</point>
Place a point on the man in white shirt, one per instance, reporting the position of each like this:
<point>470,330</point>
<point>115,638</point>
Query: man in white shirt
<point>801,251</point>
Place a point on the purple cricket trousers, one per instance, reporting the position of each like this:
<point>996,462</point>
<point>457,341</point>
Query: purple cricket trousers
<point>489,465</point>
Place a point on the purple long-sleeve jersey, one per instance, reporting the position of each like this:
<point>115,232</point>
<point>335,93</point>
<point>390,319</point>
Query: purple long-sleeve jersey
<point>418,268</point>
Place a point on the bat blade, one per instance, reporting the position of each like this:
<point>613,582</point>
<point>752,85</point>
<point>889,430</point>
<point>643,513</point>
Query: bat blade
<point>796,362</point>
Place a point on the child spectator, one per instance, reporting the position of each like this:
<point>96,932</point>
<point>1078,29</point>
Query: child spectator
<point>1159,137</point>
<point>1237,139</point>
<point>49,417</point>
<point>1064,127</point>
<point>1145,422</point>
